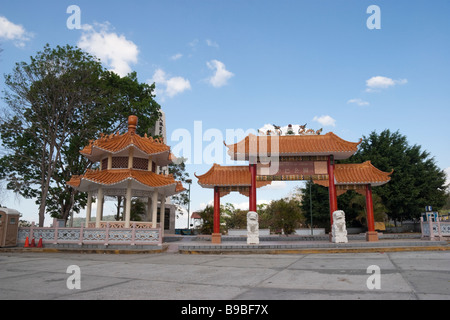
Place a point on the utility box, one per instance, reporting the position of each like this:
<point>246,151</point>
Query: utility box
<point>9,227</point>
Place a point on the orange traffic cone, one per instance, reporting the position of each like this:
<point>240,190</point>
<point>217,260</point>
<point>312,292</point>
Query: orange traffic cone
<point>33,244</point>
<point>27,243</point>
<point>40,243</point>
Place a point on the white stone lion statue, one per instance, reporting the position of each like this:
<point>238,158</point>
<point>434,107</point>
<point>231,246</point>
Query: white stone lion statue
<point>252,228</point>
<point>339,230</point>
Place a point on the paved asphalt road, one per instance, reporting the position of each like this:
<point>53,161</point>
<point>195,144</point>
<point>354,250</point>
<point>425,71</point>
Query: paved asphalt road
<point>166,276</point>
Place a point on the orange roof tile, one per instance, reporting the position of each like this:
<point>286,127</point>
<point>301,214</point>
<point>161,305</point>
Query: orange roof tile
<point>228,176</point>
<point>115,143</point>
<point>358,173</point>
<point>112,177</point>
<point>195,215</point>
<point>304,145</point>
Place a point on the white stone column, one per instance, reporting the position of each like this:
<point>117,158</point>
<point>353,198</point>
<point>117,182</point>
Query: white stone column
<point>154,208</point>
<point>128,205</point>
<point>99,214</point>
<point>130,158</point>
<point>88,209</point>
<point>162,214</point>
<point>109,162</point>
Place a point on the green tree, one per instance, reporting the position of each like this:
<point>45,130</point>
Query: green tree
<point>358,204</point>
<point>207,216</point>
<point>285,215</point>
<point>416,180</point>
<point>263,216</point>
<point>57,102</point>
<point>233,218</point>
<point>178,169</point>
<point>447,203</point>
<point>319,204</point>
<point>137,211</point>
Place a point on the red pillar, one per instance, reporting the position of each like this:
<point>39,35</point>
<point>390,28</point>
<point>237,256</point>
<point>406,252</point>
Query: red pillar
<point>331,187</point>
<point>371,234</point>
<point>216,236</point>
<point>252,195</point>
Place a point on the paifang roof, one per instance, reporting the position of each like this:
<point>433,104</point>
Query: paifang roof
<point>228,176</point>
<point>143,180</point>
<point>293,145</point>
<point>358,174</point>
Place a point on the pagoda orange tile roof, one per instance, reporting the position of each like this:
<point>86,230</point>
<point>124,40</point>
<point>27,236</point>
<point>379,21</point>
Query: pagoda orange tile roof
<point>358,173</point>
<point>301,145</point>
<point>226,176</point>
<point>115,143</point>
<point>115,176</point>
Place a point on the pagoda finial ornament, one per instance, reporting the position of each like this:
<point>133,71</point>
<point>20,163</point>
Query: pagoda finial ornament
<point>132,123</point>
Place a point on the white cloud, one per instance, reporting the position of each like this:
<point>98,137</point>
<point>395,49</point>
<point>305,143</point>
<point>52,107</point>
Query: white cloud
<point>176,56</point>
<point>170,86</point>
<point>359,102</point>
<point>176,85</point>
<point>221,74</point>
<point>193,43</point>
<point>112,49</point>
<point>379,82</point>
<point>276,185</point>
<point>325,121</point>
<point>447,172</point>
<point>211,43</point>
<point>13,32</point>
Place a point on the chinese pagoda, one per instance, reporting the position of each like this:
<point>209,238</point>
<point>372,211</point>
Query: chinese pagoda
<point>130,166</point>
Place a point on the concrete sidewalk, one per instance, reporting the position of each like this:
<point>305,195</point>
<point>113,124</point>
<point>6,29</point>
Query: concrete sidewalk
<point>194,279</point>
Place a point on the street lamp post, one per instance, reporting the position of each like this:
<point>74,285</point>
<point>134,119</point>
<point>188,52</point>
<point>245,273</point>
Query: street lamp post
<point>310,206</point>
<point>189,181</point>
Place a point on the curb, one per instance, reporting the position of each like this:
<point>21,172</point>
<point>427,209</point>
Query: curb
<point>178,248</point>
<point>312,251</point>
<point>84,251</point>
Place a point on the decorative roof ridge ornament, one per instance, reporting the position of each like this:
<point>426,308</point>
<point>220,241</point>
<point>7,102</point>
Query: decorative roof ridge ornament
<point>302,131</point>
<point>278,129</point>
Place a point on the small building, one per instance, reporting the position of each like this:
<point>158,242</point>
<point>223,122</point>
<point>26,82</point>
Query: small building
<point>196,219</point>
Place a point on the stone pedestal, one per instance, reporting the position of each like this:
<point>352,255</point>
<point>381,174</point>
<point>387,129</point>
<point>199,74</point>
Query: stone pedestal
<point>216,238</point>
<point>253,239</point>
<point>371,236</point>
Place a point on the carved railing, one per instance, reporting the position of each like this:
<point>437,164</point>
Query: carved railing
<point>106,235</point>
<point>435,229</point>
<point>121,225</point>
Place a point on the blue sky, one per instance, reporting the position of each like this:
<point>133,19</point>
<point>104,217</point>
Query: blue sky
<point>244,64</point>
